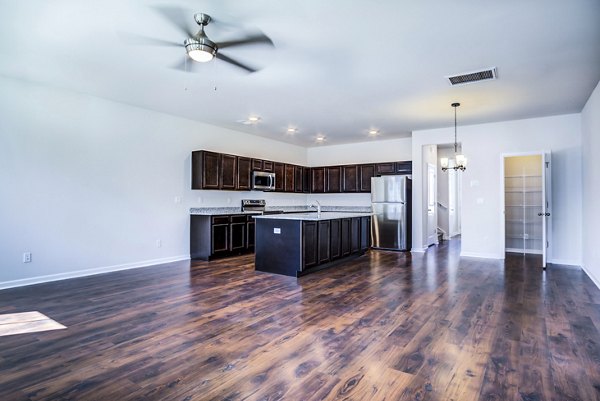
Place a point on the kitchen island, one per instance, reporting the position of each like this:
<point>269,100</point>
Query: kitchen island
<point>300,243</point>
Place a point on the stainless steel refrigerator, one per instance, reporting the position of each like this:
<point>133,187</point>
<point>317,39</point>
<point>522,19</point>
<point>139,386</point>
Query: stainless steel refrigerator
<point>392,205</point>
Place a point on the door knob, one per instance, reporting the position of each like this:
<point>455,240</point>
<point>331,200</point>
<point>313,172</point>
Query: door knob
<point>540,214</point>
<point>547,214</point>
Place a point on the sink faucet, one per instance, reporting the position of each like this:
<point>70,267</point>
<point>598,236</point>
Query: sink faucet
<point>318,206</point>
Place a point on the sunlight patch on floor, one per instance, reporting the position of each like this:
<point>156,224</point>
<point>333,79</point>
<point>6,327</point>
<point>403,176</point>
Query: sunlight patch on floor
<point>27,322</point>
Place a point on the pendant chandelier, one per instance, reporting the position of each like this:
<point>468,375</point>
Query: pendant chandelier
<point>460,161</point>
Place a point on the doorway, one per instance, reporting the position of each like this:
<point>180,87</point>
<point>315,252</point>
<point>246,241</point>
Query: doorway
<point>527,204</point>
<point>449,189</point>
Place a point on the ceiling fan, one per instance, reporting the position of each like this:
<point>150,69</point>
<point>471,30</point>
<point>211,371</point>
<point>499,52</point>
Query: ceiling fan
<point>198,46</point>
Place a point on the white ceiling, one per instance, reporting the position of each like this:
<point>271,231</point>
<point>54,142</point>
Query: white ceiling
<point>338,67</point>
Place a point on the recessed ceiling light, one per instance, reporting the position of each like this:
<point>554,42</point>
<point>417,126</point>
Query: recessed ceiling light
<point>250,120</point>
<point>373,132</point>
<point>292,130</point>
<point>320,139</point>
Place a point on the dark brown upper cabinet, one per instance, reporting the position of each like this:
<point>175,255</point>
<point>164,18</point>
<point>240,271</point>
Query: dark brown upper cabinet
<point>404,167</point>
<point>268,166</point>
<point>317,180</point>
<point>299,179</point>
<point>306,180</point>
<point>385,168</point>
<point>205,170</point>
<point>365,173</point>
<point>290,176</point>
<point>333,179</point>
<point>279,169</point>
<point>257,165</point>
<point>228,177</point>
<point>244,180</point>
<point>349,178</point>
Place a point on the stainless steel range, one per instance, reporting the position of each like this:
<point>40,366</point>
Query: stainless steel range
<point>258,206</point>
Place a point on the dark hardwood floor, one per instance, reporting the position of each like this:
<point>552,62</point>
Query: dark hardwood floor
<point>386,326</point>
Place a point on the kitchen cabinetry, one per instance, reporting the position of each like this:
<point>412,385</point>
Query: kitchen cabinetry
<point>205,170</point>
<point>385,168</point>
<point>404,167</point>
<point>310,244</point>
<point>317,180</point>
<point>365,172</point>
<point>350,178</point>
<point>333,179</point>
<point>279,170</point>
<point>298,246</point>
<point>306,180</point>
<point>298,179</point>
<point>244,174</point>
<point>213,237</point>
<point>257,165</point>
<point>228,170</point>
<point>212,170</point>
<point>335,244</point>
<point>289,178</point>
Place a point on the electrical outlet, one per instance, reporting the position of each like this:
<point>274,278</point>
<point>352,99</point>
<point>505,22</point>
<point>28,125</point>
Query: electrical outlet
<point>158,243</point>
<point>178,199</point>
<point>27,257</point>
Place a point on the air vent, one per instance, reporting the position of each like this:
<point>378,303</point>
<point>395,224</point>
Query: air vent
<point>469,77</point>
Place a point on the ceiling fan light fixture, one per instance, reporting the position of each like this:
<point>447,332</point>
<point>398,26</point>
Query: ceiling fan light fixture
<point>201,51</point>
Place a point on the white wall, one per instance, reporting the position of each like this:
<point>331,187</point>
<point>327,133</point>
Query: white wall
<point>481,198</point>
<point>590,128</point>
<point>365,152</point>
<point>89,184</point>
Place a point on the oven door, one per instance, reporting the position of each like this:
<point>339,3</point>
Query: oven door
<point>262,181</point>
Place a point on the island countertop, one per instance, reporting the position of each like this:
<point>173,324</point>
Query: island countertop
<point>313,216</point>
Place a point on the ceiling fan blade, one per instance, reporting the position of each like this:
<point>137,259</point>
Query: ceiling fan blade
<point>178,18</point>
<point>229,60</point>
<point>140,40</point>
<point>250,39</point>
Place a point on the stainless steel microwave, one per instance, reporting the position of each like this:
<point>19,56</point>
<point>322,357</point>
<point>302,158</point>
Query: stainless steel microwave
<point>263,181</point>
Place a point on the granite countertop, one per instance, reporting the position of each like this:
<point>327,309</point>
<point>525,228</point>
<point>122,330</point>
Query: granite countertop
<point>313,216</point>
<point>216,211</point>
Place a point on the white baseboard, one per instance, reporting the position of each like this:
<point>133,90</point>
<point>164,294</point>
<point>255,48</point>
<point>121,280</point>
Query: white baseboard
<point>419,250</point>
<point>596,282</point>
<point>481,255</point>
<point>565,262</point>
<point>89,272</point>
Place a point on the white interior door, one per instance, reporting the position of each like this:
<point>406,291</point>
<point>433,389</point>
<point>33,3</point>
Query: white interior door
<point>546,214</point>
<point>431,201</point>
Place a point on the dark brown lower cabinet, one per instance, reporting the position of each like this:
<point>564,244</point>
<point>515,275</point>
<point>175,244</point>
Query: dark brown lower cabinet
<point>237,232</point>
<point>335,241</point>
<point>345,236</point>
<point>365,233</point>
<point>309,244</point>
<point>213,237</point>
<point>220,239</point>
<point>324,241</point>
<point>355,235</point>
<point>250,233</point>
